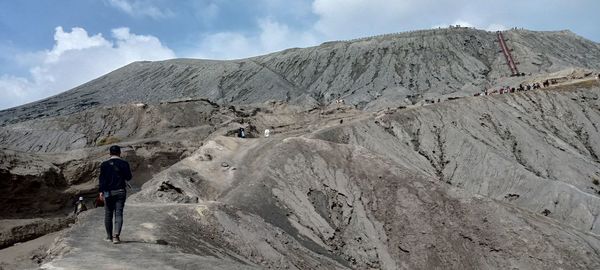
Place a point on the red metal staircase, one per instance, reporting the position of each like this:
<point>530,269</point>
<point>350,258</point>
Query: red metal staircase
<point>509,59</point>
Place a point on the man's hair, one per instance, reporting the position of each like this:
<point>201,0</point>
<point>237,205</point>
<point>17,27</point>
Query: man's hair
<point>115,150</point>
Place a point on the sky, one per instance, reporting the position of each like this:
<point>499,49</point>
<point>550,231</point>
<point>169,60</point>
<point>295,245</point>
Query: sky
<point>48,47</point>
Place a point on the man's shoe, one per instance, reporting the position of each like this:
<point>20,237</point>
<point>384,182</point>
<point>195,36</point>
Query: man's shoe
<point>116,240</point>
<point>108,239</point>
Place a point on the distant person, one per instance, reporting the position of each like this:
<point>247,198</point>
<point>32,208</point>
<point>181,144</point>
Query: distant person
<point>241,133</point>
<point>267,133</point>
<point>114,174</point>
<point>80,206</point>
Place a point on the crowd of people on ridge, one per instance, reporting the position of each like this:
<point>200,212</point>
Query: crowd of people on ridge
<point>520,88</point>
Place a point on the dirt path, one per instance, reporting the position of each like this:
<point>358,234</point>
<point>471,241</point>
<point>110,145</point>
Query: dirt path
<point>143,243</point>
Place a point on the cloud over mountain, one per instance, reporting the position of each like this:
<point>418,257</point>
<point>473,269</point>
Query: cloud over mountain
<point>77,57</point>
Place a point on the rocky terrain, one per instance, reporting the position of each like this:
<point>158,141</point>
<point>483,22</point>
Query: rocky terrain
<point>384,180</point>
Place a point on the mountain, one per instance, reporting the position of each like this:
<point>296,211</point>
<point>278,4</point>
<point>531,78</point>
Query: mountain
<point>387,179</point>
<point>370,73</point>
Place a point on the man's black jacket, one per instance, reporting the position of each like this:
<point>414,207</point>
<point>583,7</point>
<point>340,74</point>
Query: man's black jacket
<point>113,174</point>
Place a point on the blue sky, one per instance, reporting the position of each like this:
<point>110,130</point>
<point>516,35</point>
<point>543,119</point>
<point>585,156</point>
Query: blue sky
<point>47,47</point>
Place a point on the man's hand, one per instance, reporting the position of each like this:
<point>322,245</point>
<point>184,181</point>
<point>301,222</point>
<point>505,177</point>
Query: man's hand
<point>101,196</point>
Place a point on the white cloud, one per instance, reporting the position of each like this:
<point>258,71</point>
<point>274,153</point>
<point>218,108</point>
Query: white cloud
<point>273,36</point>
<point>75,59</point>
<point>78,39</point>
<point>140,8</point>
<point>13,85</point>
<point>495,27</point>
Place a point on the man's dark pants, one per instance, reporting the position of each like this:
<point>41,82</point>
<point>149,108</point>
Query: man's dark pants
<point>115,203</point>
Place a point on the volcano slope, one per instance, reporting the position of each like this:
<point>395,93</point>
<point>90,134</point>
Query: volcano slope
<point>370,73</point>
<point>496,182</point>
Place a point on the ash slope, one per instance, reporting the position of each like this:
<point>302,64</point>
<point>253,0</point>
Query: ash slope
<point>463,184</point>
<point>367,73</point>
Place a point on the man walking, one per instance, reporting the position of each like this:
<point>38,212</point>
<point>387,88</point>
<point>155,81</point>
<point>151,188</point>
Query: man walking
<point>113,176</point>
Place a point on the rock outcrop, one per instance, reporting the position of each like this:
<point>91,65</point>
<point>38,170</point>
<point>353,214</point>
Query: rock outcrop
<point>30,184</point>
<point>21,230</point>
